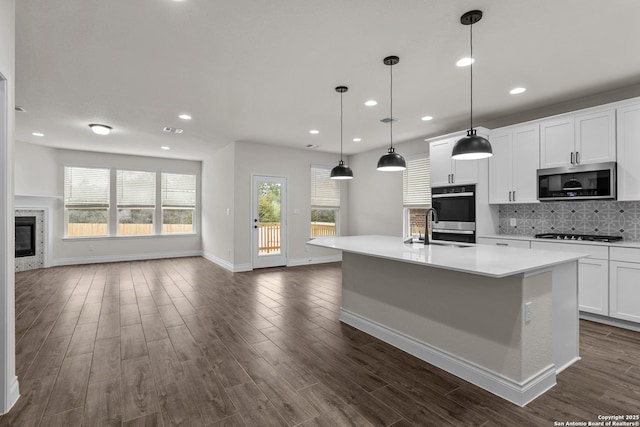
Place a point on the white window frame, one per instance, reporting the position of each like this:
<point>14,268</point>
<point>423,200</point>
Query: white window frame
<point>409,204</point>
<point>330,207</point>
<point>154,208</point>
<point>66,208</point>
<point>194,209</point>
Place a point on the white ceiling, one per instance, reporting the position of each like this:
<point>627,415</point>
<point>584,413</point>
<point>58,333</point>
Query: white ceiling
<point>265,70</point>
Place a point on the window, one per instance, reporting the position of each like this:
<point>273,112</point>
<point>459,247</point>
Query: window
<point>325,202</point>
<point>136,196</point>
<point>178,202</point>
<point>416,194</point>
<point>86,201</point>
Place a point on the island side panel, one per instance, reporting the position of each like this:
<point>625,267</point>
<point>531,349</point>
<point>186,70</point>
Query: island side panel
<point>566,334</point>
<point>476,319</point>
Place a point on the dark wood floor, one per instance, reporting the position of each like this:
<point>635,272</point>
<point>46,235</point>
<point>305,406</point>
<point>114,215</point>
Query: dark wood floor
<point>184,342</point>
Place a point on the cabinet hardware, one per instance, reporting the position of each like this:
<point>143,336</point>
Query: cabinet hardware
<point>453,178</point>
<point>577,157</point>
<point>572,158</point>
<point>509,195</point>
<point>502,244</point>
<point>514,195</point>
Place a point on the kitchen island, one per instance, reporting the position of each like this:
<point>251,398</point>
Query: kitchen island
<point>505,319</point>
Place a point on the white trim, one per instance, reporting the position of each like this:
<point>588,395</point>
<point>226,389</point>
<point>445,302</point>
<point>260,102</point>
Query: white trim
<point>314,260</point>
<point>120,258</point>
<point>13,394</point>
<point>234,268</point>
<point>519,393</point>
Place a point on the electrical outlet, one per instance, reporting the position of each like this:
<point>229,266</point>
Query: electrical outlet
<point>512,222</point>
<point>527,312</point>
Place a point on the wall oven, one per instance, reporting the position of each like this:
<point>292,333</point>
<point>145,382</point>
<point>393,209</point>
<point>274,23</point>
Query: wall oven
<point>456,208</point>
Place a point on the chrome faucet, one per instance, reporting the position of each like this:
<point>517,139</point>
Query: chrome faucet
<point>426,223</point>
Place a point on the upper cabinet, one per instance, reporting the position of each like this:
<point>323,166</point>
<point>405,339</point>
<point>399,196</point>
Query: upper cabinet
<point>629,152</point>
<point>446,171</point>
<point>513,166</point>
<point>578,139</point>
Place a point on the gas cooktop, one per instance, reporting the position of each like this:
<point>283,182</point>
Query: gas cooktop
<point>586,237</point>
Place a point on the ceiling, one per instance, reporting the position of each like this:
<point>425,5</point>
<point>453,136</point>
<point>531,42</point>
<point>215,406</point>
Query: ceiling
<point>265,71</point>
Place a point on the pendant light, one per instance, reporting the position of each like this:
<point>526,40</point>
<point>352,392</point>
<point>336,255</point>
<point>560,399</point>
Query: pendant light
<point>472,146</point>
<point>391,161</point>
<point>341,171</point>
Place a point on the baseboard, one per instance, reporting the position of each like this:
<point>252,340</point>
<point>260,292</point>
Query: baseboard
<point>234,268</point>
<point>13,394</point>
<point>619,323</point>
<point>519,393</point>
<point>314,260</point>
<point>120,258</point>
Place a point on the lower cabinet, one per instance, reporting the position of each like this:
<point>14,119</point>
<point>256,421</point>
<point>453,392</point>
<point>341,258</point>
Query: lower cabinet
<point>625,284</point>
<point>593,289</point>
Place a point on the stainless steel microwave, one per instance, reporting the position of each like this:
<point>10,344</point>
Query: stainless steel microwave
<point>578,182</point>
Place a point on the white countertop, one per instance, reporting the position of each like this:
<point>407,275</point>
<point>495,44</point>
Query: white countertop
<point>485,260</point>
<point>622,243</point>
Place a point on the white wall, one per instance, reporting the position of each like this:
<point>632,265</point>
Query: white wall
<point>295,164</point>
<point>218,212</point>
<point>375,198</point>
<point>8,381</point>
<point>49,182</point>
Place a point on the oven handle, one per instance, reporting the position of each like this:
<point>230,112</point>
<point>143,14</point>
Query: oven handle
<point>437,196</point>
<point>445,231</point>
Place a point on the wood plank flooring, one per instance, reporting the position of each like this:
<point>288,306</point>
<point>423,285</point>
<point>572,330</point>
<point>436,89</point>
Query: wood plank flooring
<point>184,342</point>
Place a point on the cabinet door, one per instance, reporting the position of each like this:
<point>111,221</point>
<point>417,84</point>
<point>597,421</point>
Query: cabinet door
<point>629,152</point>
<point>593,286</point>
<point>596,137</point>
<point>464,171</point>
<point>625,291</point>
<point>440,155</point>
<point>526,152</point>
<point>500,167</point>
<point>556,142</point>
<point>526,244</point>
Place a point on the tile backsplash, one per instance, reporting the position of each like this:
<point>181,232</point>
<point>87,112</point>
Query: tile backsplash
<point>610,218</point>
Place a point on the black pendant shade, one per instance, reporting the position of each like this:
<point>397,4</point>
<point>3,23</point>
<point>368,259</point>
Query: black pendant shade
<point>472,146</point>
<point>391,161</point>
<point>341,171</point>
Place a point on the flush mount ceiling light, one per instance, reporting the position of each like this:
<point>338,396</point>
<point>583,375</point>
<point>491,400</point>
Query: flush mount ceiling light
<point>517,90</point>
<point>184,117</point>
<point>99,129</point>
<point>391,161</point>
<point>471,146</point>
<point>341,171</point>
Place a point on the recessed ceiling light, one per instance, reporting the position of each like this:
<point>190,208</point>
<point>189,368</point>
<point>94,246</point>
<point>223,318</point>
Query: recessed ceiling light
<point>164,147</point>
<point>371,103</point>
<point>185,117</point>
<point>99,129</point>
<point>427,118</point>
<point>37,134</point>
<point>517,90</point>
<point>465,62</point>
<point>314,131</point>
<point>357,139</point>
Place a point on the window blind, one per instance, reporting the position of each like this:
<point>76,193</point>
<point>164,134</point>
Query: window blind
<point>325,192</point>
<point>178,190</point>
<point>416,186</point>
<point>86,187</point>
<point>136,189</point>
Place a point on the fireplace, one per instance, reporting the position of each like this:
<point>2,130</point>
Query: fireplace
<point>25,236</point>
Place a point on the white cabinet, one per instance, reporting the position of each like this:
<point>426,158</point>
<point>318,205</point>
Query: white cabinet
<point>593,274</point>
<point>513,166</point>
<point>629,152</point>
<point>495,241</point>
<point>578,139</point>
<point>625,284</point>
<point>446,171</point>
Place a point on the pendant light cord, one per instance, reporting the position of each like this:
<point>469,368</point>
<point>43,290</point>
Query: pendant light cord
<point>341,126</point>
<point>471,74</point>
<point>391,105</point>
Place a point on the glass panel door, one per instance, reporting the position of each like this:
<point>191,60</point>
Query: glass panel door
<point>269,221</point>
